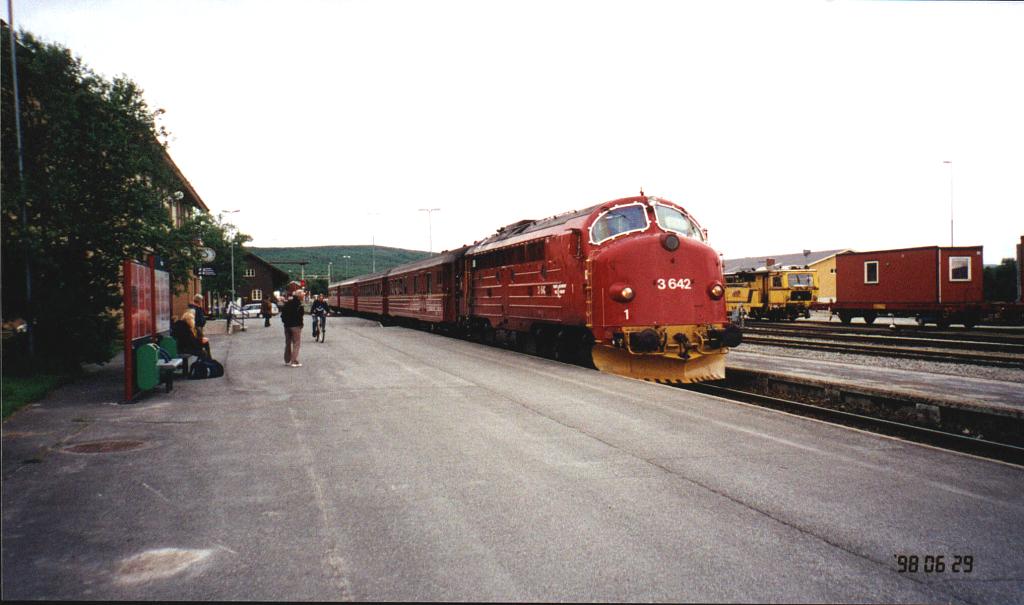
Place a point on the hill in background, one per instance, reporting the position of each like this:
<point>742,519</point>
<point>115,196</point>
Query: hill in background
<point>363,260</point>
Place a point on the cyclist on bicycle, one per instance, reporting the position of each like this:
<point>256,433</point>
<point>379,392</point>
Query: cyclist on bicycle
<point>319,311</point>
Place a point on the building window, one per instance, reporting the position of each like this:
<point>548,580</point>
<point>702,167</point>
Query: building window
<point>256,295</point>
<point>249,272</point>
<point>871,272</point>
<point>959,268</point>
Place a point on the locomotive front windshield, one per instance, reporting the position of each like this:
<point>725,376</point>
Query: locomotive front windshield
<point>800,280</point>
<point>623,219</point>
<point>671,219</point>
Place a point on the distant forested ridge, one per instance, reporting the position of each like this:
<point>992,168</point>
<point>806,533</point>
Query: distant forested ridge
<point>362,262</point>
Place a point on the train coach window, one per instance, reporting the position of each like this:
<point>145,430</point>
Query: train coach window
<point>800,280</point>
<point>959,268</point>
<point>671,219</point>
<point>429,275</point>
<point>618,221</point>
<point>871,272</point>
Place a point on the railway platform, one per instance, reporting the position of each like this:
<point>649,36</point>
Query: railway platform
<point>944,391</point>
<point>401,465</point>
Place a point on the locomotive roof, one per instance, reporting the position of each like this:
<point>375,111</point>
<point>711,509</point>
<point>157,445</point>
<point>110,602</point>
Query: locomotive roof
<point>521,231</point>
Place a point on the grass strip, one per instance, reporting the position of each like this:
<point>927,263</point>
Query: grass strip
<point>19,391</point>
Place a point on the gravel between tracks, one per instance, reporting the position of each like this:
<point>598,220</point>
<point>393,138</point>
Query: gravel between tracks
<point>917,365</point>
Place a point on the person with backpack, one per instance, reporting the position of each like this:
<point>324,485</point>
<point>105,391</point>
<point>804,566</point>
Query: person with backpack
<point>199,315</point>
<point>291,317</point>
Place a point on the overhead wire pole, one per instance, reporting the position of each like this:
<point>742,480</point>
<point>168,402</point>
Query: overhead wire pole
<point>430,227</point>
<point>21,183</point>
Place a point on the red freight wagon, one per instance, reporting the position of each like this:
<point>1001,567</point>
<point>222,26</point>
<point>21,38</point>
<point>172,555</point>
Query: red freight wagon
<point>933,284</point>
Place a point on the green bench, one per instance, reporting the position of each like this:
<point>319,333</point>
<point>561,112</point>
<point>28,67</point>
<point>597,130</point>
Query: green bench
<point>151,370</point>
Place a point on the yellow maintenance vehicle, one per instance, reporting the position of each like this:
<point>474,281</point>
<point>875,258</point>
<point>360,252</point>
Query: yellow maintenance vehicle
<point>772,293</point>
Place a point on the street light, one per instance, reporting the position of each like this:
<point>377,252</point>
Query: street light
<point>232,257</point>
<point>950,162</point>
<point>329,273</point>
<point>373,241</point>
<point>346,257</point>
<point>430,227</point>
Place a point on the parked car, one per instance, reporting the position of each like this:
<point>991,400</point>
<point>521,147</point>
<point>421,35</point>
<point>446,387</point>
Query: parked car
<point>253,310</point>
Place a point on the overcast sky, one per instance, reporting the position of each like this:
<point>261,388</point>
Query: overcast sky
<point>780,125</point>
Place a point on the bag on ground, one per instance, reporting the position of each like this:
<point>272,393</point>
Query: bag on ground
<point>206,368</point>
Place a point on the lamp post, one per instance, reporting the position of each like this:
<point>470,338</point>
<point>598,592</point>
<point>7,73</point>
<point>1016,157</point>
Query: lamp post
<point>346,257</point>
<point>329,273</point>
<point>232,257</point>
<point>373,240</point>
<point>950,162</point>
<point>430,227</point>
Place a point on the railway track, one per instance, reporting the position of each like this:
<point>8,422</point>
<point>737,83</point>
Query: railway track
<point>938,438</point>
<point>1000,350</point>
<point>1008,335</point>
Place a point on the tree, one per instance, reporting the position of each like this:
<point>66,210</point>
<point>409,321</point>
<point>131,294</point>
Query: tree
<point>1000,281</point>
<point>318,285</point>
<point>94,193</point>
<point>220,236</point>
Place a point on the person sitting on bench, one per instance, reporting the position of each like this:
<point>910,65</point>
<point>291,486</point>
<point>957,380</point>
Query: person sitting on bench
<point>185,334</point>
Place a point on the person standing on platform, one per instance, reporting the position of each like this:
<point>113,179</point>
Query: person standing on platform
<point>291,317</point>
<point>267,311</point>
<point>197,307</point>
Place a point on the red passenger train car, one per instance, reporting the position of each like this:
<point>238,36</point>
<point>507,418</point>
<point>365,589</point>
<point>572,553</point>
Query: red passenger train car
<point>631,283</point>
<point>942,285</point>
<point>425,290</point>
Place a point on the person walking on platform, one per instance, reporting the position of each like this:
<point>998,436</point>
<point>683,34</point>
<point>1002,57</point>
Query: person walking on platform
<point>291,317</point>
<point>267,311</point>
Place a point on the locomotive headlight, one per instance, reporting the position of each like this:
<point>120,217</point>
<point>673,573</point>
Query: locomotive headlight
<point>670,242</point>
<point>716,291</point>
<point>621,292</point>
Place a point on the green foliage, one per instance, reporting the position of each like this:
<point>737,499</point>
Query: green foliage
<point>225,241</point>
<point>20,391</point>
<point>317,285</point>
<point>362,261</point>
<point>96,183</point>
<point>1000,281</point>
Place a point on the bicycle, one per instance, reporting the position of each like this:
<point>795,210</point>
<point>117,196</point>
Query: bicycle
<point>319,328</point>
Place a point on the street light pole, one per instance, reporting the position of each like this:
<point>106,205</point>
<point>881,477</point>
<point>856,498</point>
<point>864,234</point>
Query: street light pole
<point>329,273</point>
<point>950,162</point>
<point>373,240</point>
<point>430,227</point>
<point>232,256</point>
<point>346,257</point>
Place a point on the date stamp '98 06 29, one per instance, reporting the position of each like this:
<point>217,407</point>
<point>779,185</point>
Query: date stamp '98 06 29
<point>934,563</point>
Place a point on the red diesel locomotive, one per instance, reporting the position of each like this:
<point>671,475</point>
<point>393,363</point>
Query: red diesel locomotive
<point>631,283</point>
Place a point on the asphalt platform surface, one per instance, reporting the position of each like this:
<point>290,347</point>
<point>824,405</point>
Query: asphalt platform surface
<point>401,465</point>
